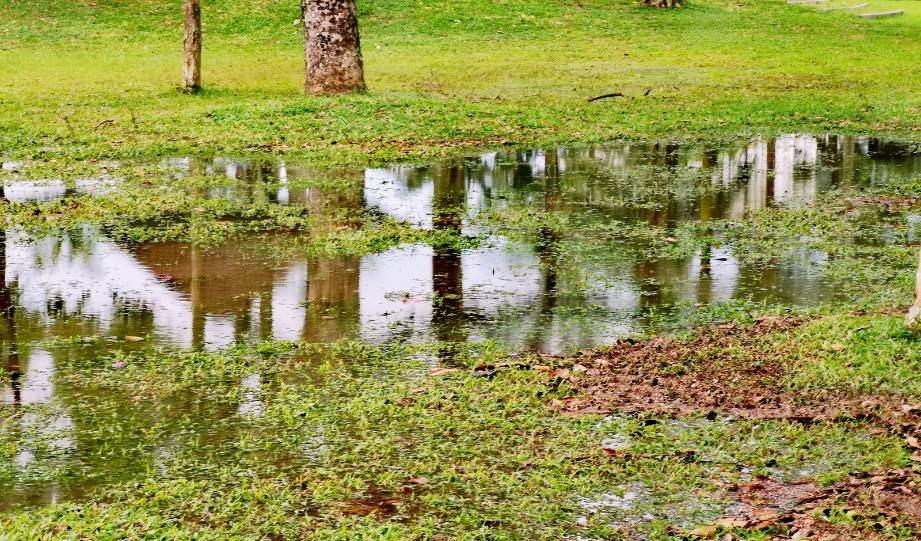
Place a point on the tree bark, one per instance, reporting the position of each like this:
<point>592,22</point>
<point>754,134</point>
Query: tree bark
<point>332,47</point>
<point>912,318</point>
<point>191,67</point>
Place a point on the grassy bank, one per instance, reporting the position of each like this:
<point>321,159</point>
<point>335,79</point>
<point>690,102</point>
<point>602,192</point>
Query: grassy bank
<point>100,79</point>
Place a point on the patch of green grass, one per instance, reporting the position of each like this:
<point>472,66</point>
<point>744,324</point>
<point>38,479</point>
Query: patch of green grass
<point>858,354</point>
<point>345,434</point>
<point>715,68</point>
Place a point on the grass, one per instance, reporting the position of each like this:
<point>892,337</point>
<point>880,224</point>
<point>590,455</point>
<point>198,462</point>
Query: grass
<point>714,68</point>
<point>324,445</point>
<point>275,440</point>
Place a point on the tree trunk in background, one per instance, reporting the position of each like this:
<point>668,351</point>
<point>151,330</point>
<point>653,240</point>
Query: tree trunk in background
<point>915,311</point>
<point>191,67</point>
<point>332,47</point>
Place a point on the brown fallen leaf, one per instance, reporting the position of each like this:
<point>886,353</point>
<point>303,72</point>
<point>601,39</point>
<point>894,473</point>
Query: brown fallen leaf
<point>419,481</point>
<point>705,531</point>
<point>133,339</point>
<point>732,522</point>
<point>562,373</point>
<point>443,371</point>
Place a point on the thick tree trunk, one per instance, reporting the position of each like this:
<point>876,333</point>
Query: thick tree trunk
<point>332,47</point>
<point>914,313</point>
<point>191,67</point>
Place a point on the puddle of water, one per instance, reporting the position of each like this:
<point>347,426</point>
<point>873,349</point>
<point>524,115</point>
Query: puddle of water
<point>523,294</point>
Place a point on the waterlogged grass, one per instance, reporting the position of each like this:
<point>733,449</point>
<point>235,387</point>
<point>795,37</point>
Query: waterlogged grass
<point>452,454</point>
<point>84,80</point>
<point>154,209</point>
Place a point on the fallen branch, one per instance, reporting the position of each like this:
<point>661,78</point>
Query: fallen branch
<point>604,96</point>
<point>66,120</point>
<point>103,123</point>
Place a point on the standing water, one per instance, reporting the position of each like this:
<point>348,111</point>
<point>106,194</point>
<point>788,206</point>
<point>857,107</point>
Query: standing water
<point>550,293</point>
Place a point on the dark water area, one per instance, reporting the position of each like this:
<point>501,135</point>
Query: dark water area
<point>528,295</point>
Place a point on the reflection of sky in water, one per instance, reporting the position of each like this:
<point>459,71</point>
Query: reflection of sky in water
<point>507,290</point>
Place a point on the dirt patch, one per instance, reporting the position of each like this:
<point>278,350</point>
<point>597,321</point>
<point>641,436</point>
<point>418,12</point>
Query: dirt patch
<point>732,369</point>
<point>866,505</point>
<point>738,371</point>
<point>400,505</point>
<point>892,204</point>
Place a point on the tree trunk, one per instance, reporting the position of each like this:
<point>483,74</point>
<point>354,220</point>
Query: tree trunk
<point>915,311</point>
<point>191,67</point>
<point>332,47</point>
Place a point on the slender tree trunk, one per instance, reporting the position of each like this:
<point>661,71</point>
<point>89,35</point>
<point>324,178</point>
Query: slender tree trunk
<point>332,47</point>
<point>914,313</point>
<point>191,67</point>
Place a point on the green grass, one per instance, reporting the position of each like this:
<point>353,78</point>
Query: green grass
<point>333,430</point>
<point>448,75</point>
<point>859,354</point>
<point>161,435</point>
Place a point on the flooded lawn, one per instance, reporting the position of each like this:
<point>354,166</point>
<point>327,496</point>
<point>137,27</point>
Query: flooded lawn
<point>643,243</point>
<point>549,293</point>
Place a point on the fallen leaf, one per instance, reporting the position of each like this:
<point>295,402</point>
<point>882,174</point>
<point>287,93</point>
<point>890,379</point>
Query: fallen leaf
<point>419,480</point>
<point>705,531</point>
<point>443,371</point>
<point>133,339</point>
<point>912,442</point>
<point>732,522</point>
<point>562,373</point>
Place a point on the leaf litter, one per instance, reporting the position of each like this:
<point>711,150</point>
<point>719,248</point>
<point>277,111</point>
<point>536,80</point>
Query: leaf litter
<point>735,372</point>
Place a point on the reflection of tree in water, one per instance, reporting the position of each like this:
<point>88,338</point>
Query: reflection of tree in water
<point>548,254</point>
<point>448,204</point>
<point>9,347</point>
<point>333,301</point>
<point>333,296</point>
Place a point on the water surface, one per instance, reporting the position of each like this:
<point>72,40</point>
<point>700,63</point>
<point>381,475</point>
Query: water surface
<point>552,293</point>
